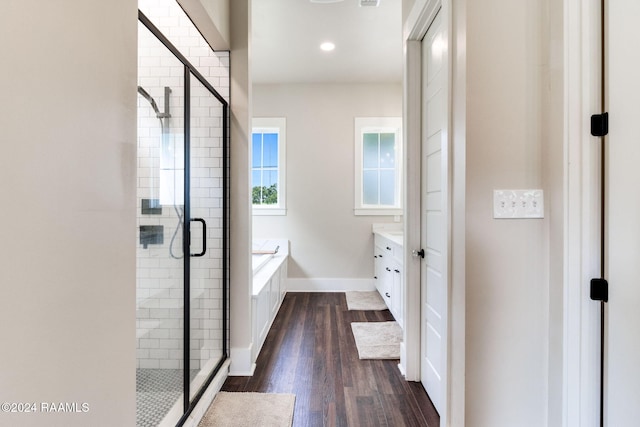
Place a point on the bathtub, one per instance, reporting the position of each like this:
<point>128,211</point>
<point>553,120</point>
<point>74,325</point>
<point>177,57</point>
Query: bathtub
<point>269,288</point>
<point>259,260</point>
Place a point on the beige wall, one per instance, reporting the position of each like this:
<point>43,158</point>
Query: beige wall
<point>68,118</point>
<point>513,266</point>
<point>327,240</point>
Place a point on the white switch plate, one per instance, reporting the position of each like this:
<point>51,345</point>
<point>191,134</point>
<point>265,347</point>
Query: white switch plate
<point>518,204</point>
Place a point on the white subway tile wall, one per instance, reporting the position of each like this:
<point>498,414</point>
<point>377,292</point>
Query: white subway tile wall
<point>159,275</point>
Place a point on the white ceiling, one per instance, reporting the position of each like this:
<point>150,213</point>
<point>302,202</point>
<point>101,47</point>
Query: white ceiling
<point>287,35</point>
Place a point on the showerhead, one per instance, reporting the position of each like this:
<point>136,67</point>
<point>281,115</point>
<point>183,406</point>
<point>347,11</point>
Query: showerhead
<point>149,98</point>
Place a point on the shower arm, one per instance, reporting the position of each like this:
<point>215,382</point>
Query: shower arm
<point>149,98</point>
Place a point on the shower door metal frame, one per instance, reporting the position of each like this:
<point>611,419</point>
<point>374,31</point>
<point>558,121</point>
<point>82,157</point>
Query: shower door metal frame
<point>189,70</point>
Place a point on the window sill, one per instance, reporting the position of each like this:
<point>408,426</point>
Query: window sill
<point>269,211</point>
<point>377,211</point>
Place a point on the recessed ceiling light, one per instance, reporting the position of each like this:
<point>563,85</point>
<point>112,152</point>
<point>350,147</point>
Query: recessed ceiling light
<point>327,46</point>
<point>375,3</point>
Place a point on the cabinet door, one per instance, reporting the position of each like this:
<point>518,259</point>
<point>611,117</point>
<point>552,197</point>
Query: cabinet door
<point>386,284</point>
<point>378,264</point>
<point>396,293</point>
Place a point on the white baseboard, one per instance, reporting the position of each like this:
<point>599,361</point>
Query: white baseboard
<point>241,362</point>
<point>329,285</point>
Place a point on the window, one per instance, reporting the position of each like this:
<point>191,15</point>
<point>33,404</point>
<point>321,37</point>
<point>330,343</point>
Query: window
<point>378,164</point>
<point>268,166</point>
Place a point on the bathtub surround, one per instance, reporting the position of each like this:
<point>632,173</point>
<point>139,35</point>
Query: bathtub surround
<point>269,288</point>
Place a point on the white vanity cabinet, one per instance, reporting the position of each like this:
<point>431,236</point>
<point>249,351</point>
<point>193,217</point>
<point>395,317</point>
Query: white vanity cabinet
<point>388,272</point>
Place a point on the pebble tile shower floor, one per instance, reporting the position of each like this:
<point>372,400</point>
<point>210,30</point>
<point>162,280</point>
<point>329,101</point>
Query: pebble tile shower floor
<point>157,390</point>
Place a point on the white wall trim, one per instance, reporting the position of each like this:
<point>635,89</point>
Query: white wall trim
<point>420,18</point>
<point>259,211</point>
<point>581,223</point>
<point>241,361</point>
<point>377,212</point>
<point>329,285</point>
<point>279,126</point>
<point>457,290</point>
<point>410,358</point>
<point>361,126</point>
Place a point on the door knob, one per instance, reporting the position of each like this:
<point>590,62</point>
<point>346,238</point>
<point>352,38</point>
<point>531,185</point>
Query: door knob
<point>418,253</point>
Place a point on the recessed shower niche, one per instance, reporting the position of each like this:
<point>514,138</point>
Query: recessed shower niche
<point>182,242</point>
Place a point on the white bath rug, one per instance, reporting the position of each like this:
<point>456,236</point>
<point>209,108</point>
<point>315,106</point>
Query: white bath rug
<point>377,340</point>
<point>369,300</point>
<point>250,410</point>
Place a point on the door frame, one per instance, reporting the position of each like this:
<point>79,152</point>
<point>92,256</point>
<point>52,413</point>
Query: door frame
<point>581,316</point>
<point>418,21</point>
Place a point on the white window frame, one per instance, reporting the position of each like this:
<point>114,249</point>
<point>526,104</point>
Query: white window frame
<point>272,125</point>
<point>377,125</point>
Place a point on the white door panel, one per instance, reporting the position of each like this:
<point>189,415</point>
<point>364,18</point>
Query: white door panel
<point>434,109</point>
<point>434,141</point>
<point>434,215</point>
<point>434,57</point>
<point>433,259</point>
<point>436,241</point>
<point>434,172</point>
<point>434,201</point>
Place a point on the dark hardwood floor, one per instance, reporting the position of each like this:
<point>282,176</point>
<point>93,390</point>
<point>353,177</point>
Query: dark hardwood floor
<point>310,352</point>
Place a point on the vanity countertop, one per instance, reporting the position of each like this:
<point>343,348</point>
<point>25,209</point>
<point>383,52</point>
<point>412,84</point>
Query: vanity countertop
<point>392,232</point>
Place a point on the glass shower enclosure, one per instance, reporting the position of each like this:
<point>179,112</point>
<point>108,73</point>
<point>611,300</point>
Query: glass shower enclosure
<point>182,236</point>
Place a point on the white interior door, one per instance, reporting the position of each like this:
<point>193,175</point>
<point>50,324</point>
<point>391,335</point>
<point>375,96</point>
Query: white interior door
<point>434,269</point>
<point>622,383</point>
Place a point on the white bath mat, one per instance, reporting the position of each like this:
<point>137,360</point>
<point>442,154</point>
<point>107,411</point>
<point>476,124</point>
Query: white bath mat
<point>377,340</point>
<point>250,410</point>
<point>369,300</point>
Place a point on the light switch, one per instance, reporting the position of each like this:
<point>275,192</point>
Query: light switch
<point>518,204</point>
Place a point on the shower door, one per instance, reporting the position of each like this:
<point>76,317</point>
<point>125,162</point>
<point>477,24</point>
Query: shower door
<point>160,260</point>
<point>207,223</point>
<point>182,239</point>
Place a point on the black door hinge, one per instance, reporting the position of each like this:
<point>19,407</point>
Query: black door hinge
<point>599,290</point>
<point>600,124</point>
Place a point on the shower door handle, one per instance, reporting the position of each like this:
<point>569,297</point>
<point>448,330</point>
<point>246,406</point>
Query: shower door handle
<point>204,236</point>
